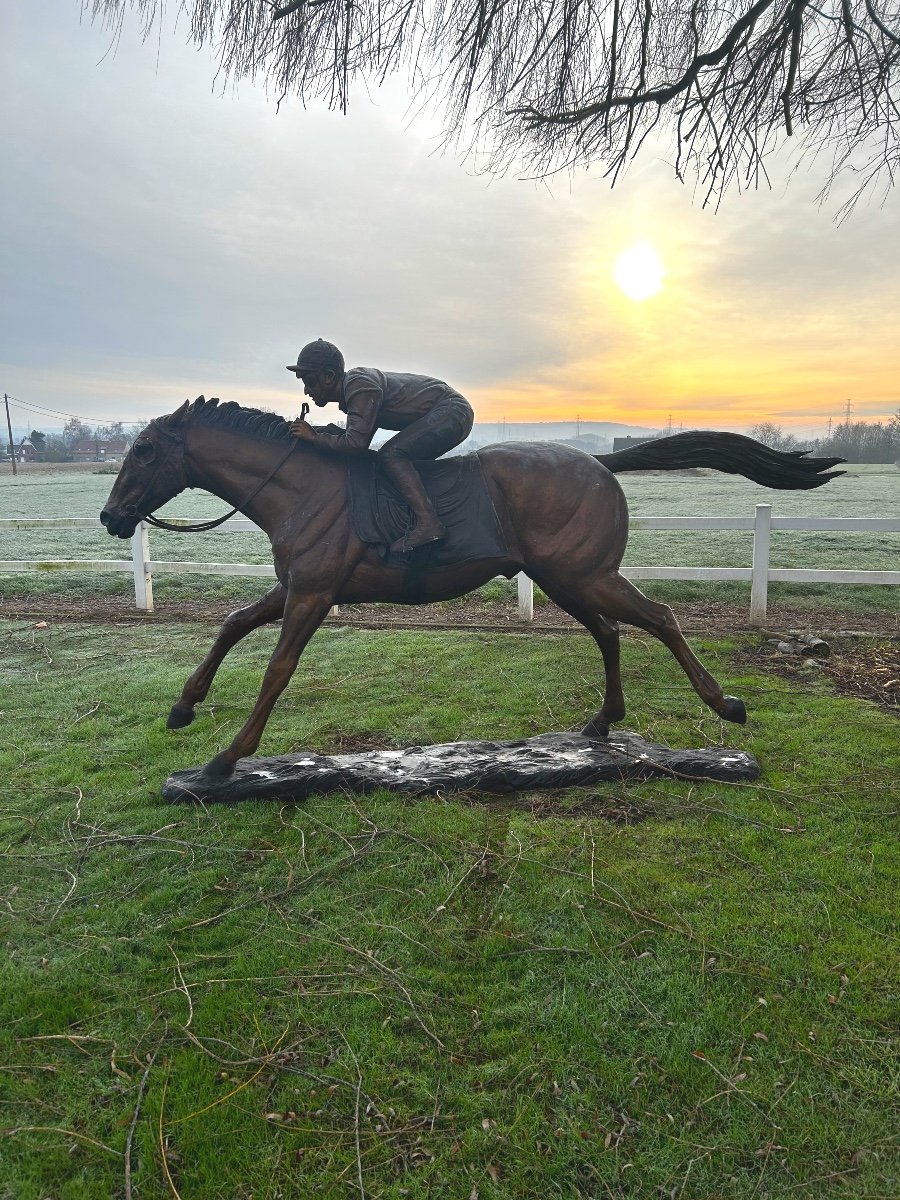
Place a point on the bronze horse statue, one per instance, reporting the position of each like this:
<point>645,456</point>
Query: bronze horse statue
<point>562,513</point>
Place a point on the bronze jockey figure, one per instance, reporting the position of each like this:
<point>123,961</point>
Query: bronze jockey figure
<point>431,418</point>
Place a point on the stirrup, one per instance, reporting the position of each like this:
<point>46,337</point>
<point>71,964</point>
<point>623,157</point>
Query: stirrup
<point>409,541</point>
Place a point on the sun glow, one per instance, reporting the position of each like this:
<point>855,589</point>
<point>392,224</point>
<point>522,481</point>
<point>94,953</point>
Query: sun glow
<point>639,272</point>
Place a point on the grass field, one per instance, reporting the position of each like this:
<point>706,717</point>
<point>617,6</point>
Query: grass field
<point>650,990</point>
<point>864,491</point>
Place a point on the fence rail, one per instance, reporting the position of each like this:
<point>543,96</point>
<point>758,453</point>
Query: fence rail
<point>759,574</point>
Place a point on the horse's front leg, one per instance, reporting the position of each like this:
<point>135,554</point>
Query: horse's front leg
<point>235,627</point>
<point>303,614</point>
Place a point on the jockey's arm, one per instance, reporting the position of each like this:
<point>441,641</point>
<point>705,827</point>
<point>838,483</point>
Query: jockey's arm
<point>362,422</point>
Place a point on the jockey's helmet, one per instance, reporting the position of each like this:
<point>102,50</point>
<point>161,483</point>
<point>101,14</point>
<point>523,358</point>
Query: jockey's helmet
<point>318,355</point>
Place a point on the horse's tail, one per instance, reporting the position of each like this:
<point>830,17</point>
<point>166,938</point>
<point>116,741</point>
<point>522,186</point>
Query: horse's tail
<point>729,452</point>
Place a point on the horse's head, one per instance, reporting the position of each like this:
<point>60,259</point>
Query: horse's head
<point>152,473</point>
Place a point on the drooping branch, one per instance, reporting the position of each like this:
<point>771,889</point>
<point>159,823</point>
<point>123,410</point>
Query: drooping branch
<point>660,95</point>
<point>550,83</point>
<point>287,9</point>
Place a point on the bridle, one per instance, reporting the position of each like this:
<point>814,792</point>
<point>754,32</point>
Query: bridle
<point>203,526</point>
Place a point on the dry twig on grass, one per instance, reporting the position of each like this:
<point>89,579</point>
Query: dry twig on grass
<point>142,1087</point>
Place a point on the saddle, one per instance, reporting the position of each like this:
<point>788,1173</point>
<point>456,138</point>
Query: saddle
<point>459,492</point>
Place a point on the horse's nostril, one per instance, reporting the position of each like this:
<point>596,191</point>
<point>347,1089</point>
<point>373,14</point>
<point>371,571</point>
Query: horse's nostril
<point>130,510</point>
<point>104,517</point>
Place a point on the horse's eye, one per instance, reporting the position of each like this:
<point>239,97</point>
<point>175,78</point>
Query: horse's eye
<point>142,451</point>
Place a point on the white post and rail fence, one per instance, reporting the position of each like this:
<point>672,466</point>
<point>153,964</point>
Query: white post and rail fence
<point>759,574</point>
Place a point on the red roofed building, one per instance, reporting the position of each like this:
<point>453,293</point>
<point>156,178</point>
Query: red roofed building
<point>97,450</point>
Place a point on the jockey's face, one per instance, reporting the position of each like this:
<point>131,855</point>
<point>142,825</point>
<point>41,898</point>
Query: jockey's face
<point>321,386</point>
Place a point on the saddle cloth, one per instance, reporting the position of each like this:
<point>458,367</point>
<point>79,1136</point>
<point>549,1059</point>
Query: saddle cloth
<point>457,489</point>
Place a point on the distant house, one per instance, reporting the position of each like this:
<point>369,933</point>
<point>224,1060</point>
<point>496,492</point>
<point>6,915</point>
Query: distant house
<point>96,450</point>
<point>625,443</point>
<point>25,451</point>
<point>589,442</point>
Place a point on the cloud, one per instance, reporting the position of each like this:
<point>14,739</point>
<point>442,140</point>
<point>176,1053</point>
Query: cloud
<point>166,238</point>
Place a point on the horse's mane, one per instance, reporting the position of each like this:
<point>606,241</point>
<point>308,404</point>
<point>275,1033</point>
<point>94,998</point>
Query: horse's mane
<point>253,422</point>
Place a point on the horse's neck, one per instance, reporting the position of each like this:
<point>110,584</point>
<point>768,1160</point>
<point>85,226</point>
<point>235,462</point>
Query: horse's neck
<point>232,467</point>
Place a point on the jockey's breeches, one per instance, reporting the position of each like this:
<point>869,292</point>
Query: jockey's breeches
<point>447,424</point>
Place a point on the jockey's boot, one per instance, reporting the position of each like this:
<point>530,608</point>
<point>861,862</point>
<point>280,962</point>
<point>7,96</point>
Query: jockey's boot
<point>427,528</point>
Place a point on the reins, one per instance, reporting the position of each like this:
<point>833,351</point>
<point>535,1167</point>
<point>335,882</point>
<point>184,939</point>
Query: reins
<point>202,526</point>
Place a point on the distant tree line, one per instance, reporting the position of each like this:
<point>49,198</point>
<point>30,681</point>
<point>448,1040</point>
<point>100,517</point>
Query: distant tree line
<point>58,447</point>
<point>856,441</point>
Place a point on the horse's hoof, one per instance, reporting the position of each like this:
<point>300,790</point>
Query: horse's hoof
<point>180,716</point>
<point>733,710</point>
<point>597,732</point>
<point>219,767</point>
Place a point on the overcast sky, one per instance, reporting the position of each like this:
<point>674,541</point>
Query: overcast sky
<point>163,237</point>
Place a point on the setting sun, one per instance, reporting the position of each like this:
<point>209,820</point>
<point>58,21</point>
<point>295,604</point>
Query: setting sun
<point>639,272</point>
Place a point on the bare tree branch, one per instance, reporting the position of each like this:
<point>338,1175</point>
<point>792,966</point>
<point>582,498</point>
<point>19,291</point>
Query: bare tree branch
<point>552,83</point>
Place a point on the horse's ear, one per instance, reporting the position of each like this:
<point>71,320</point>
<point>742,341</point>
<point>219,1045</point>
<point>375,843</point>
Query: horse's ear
<point>178,417</point>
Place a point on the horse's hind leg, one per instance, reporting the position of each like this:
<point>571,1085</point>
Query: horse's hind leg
<point>618,598</point>
<point>235,626</point>
<point>606,634</point>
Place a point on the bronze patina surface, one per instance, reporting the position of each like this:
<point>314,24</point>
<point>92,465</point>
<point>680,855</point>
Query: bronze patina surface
<point>563,514</point>
<point>430,418</point>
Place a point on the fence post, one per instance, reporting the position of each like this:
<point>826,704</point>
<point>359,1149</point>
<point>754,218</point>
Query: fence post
<point>759,584</point>
<point>526,597</point>
<point>140,556</point>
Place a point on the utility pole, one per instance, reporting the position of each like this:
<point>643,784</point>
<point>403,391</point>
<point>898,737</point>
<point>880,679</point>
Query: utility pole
<point>847,412</point>
<point>12,449</point>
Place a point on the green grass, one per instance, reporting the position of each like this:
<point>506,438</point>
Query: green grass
<point>437,997</point>
<point>869,491</point>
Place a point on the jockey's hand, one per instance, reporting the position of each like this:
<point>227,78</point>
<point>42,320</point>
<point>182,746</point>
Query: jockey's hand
<point>302,429</point>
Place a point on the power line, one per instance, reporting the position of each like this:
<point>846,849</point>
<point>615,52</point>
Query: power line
<point>38,408</point>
